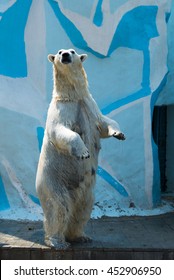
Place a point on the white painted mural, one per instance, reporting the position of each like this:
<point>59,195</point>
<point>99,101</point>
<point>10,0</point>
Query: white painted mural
<point>127,47</point>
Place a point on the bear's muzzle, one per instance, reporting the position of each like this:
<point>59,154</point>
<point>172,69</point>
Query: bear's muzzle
<point>66,58</point>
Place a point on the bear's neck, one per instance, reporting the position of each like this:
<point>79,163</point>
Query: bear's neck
<point>70,85</point>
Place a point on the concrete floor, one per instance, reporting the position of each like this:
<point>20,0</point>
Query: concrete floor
<point>135,237</point>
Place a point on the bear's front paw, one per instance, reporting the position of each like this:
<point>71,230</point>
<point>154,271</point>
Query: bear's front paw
<point>85,155</point>
<point>119,135</point>
<point>81,153</point>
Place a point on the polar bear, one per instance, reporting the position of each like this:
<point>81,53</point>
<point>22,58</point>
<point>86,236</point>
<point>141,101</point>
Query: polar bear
<point>69,156</point>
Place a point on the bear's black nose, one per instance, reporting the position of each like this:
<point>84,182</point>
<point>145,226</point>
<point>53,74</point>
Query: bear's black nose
<point>66,58</point>
<point>66,54</point>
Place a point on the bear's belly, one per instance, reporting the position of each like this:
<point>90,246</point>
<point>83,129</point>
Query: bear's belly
<point>68,171</point>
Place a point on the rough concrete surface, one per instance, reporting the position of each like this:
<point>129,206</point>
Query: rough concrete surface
<point>113,238</point>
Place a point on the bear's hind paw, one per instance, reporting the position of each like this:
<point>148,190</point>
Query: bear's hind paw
<point>81,239</point>
<point>56,243</point>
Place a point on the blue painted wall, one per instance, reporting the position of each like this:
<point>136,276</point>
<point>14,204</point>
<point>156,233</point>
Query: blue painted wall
<point>12,27</point>
<point>125,42</point>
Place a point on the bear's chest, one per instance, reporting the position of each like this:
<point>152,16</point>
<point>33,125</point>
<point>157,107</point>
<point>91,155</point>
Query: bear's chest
<point>79,115</point>
<point>86,125</point>
<point>85,121</point>
<point>81,118</point>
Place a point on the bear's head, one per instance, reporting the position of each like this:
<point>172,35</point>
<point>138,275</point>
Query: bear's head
<point>70,79</point>
<point>67,58</point>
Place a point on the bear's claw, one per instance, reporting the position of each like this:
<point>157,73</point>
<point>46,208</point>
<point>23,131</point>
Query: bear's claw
<point>85,155</point>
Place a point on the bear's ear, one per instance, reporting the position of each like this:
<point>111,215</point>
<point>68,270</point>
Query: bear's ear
<point>83,57</point>
<point>51,57</point>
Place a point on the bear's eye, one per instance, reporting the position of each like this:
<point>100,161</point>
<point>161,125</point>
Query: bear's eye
<point>73,52</point>
<point>60,52</point>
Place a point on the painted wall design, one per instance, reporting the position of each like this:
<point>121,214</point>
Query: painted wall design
<point>126,43</point>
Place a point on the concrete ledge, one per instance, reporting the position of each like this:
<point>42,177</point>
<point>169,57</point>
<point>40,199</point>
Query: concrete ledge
<point>113,238</point>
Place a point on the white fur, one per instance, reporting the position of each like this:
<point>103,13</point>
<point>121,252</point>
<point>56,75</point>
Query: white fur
<point>69,156</point>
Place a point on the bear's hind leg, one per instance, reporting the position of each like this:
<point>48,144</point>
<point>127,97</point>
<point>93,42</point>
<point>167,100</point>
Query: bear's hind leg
<point>75,232</point>
<point>56,217</point>
<point>79,218</point>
